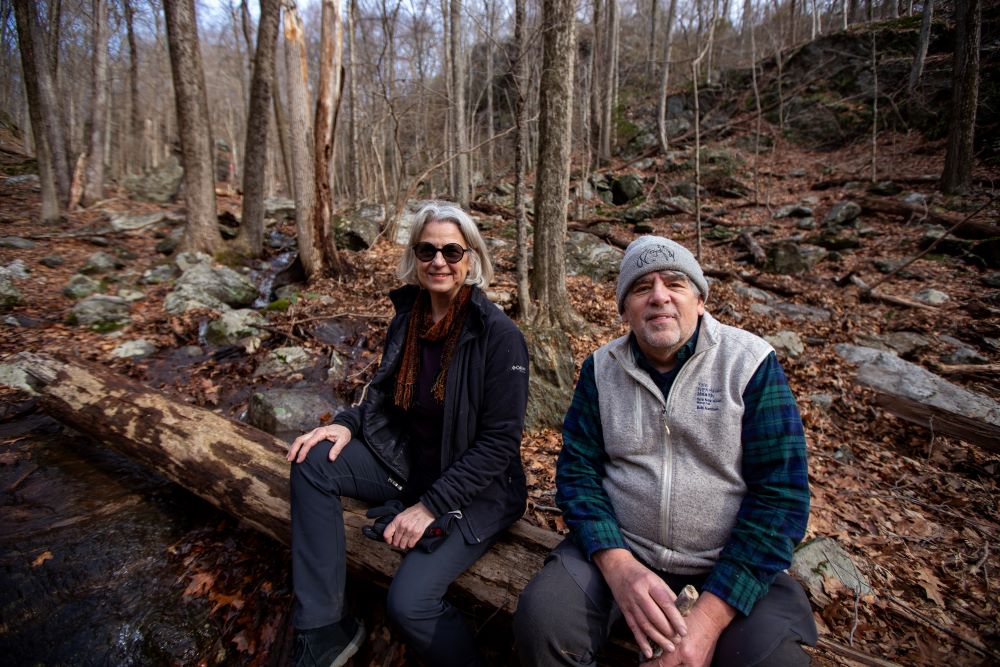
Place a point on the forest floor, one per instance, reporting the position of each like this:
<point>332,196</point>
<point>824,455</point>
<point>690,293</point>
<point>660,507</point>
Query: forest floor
<point>918,513</point>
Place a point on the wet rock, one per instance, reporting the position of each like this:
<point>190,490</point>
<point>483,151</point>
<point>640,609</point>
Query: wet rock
<point>220,283</point>
<point>823,558</point>
<point>279,208</point>
<point>10,297</point>
<point>931,297</point>
<point>793,211</point>
<point>80,286</point>
<point>101,262</point>
<point>279,241</point>
<point>126,222</point>
<point>101,311</point>
<point>159,185</point>
<point>290,411</point>
<point>52,261</point>
<point>159,274</point>
<point>134,349</point>
<point>233,326</point>
<point>17,243</point>
<point>786,344</point>
<point>787,258</point>
<point>842,213</point>
<point>626,188</point>
<point>285,361</point>
<point>587,255</point>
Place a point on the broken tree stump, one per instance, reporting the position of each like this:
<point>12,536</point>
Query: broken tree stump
<point>915,394</point>
<point>243,471</point>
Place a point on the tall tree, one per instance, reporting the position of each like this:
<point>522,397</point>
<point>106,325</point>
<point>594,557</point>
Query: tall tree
<point>959,155</point>
<point>134,144</point>
<point>355,152</point>
<point>610,86</point>
<point>194,131</point>
<point>555,112</point>
<point>327,107</point>
<point>93,185</point>
<point>251,236</point>
<point>661,107</point>
<point>925,37</point>
<point>520,148</point>
<point>30,47</point>
<point>461,140</point>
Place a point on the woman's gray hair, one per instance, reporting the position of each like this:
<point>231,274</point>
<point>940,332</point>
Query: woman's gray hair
<point>480,266</point>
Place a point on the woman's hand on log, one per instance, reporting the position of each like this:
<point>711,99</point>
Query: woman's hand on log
<point>408,526</point>
<point>335,433</point>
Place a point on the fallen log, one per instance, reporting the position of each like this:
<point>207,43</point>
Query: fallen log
<point>915,394</point>
<point>963,228</point>
<point>242,470</point>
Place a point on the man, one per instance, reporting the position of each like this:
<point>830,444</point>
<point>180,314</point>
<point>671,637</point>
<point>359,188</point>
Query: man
<point>683,462</point>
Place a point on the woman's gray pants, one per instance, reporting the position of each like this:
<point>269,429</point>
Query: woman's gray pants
<point>319,561</point>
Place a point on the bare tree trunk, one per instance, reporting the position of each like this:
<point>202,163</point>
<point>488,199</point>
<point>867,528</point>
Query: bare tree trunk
<point>490,132</point>
<point>874,110</point>
<point>925,38</point>
<point>24,15</point>
<point>355,155</point>
<point>611,62</point>
<point>134,145</point>
<point>520,113</point>
<point>303,161</point>
<point>748,11</point>
<point>458,102</point>
<point>791,20</point>
<point>661,108</point>
<point>50,119</point>
<point>555,113</point>
<point>596,63</point>
<point>93,188</point>
<point>651,46</point>
<point>959,156</point>
<point>251,235</point>
<point>327,108</point>
<point>281,128</point>
<point>202,230</point>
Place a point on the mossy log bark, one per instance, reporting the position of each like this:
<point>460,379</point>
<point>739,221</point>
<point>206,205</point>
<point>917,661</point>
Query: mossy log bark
<point>242,470</point>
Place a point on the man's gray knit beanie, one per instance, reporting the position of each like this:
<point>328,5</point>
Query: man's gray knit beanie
<point>655,253</point>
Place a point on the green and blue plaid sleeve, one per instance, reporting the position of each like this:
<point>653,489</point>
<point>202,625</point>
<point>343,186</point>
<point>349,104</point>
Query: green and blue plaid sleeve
<point>772,518</point>
<point>580,467</point>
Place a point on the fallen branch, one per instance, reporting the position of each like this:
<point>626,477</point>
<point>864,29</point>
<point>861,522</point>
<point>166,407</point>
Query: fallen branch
<point>911,614</point>
<point>970,230</point>
<point>852,653</point>
<point>758,254</point>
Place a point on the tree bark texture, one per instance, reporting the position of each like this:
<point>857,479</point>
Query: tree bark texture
<point>959,155</point>
<point>134,145</point>
<point>193,128</point>
<point>327,110</point>
<point>610,81</point>
<point>93,184</point>
<point>520,148</point>
<point>301,139</point>
<point>251,236</point>
<point>355,154</point>
<point>661,107</point>
<point>461,141</point>
<point>555,110</point>
<point>242,470</point>
<point>925,37</point>
<point>47,120</point>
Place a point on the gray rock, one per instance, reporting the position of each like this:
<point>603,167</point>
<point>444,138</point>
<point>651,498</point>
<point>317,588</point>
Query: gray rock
<point>823,401</point>
<point>17,243</point>
<point>16,270</point>
<point>220,283</point>
<point>800,312</point>
<point>285,361</point>
<point>159,185</point>
<point>133,349</point>
<point>100,310</point>
<point>551,379</point>
<point>644,164</point>
<point>686,190</point>
<point>355,232</point>
<point>13,376</point>
<point>162,273</point>
<point>233,326</point>
<point>127,222</point>
<point>186,260</point>
<point>288,412</point>
<point>191,351</point>
<point>755,293</point>
<point>961,353</point>
<point>915,198</point>
<point>186,297</point>
<point>806,223</point>
<point>787,258</point>
<point>837,238</point>
<point>786,344</point>
<point>99,241</point>
<point>947,244</point>
<point>10,297</point>
<point>793,211</point>
<point>101,262</point>
<point>52,261</point>
<point>279,208</point>
<point>821,558</point>
<point>842,213</point>
<point>131,295</point>
<point>931,297</point>
<point>625,188</point>
<point>23,179</point>
<point>797,173</point>
<point>903,343</point>
<point>80,286</point>
<point>884,188</point>
<point>587,255</point>
<point>337,369</point>
<point>169,245</point>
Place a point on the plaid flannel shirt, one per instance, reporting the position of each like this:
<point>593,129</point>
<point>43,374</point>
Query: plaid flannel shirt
<point>773,515</point>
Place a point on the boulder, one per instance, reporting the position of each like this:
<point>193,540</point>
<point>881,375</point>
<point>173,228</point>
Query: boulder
<point>842,213</point>
<point>233,326</point>
<point>625,188</point>
<point>80,286</point>
<point>134,349</point>
<point>793,211</point>
<point>903,343</point>
<point>101,311</point>
<point>786,344</point>
<point>823,558</point>
<point>355,232</point>
<point>279,208</point>
<point>289,412</point>
<point>10,297</point>
<point>162,273</point>
<point>219,282</point>
<point>931,297</point>
<point>159,185</point>
<point>17,243</point>
<point>187,297</point>
<point>101,262</point>
<point>285,361</point>
<point>52,261</point>
<point>788,258</point>
<point>587,255</point>
<point>126,222</point>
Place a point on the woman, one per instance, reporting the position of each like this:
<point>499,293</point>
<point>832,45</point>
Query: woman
<point>439,430</point>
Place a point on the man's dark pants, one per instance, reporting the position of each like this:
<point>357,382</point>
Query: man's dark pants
<point>319,559</point>
<point>565,614</point>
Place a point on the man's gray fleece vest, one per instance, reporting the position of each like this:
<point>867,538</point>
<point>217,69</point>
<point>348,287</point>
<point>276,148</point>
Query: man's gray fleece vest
<point>674,475</point>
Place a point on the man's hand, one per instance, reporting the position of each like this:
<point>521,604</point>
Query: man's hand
<point>408,526</point>
<point>705,622</point>
<point>335,433</point>
<point>645,600</point>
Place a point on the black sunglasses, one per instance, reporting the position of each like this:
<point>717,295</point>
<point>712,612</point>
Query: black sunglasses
<point>452,252</point>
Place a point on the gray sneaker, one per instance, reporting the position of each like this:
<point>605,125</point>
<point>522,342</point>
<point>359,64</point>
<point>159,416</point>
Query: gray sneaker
<point>329,646</point>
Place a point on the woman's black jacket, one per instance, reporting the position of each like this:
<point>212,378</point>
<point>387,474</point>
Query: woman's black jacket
<point>485,399</point>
